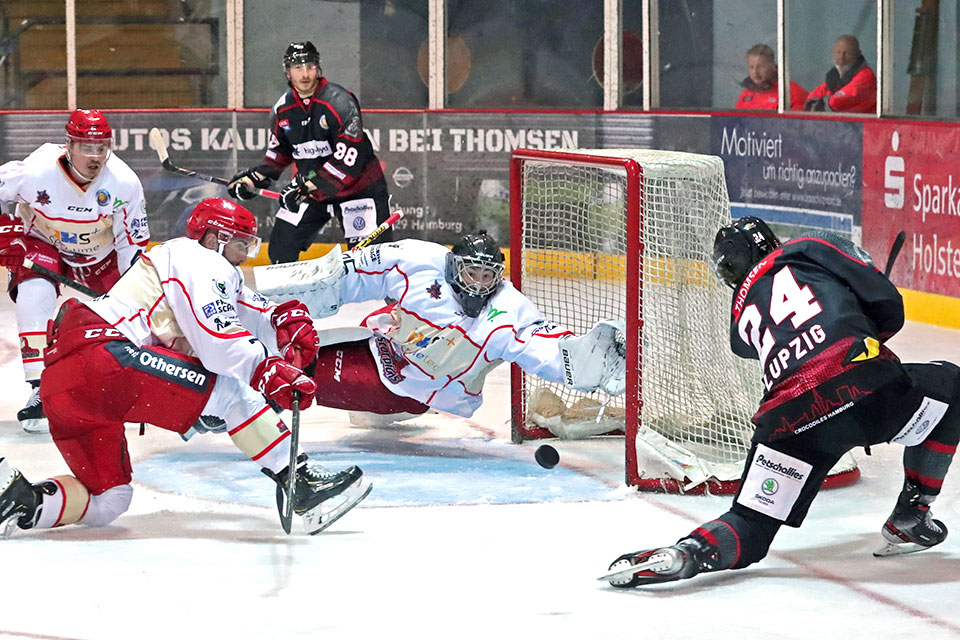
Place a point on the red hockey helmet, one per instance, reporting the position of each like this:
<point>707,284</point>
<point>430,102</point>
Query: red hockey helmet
<point>228,219</point>
<point>88,125</point>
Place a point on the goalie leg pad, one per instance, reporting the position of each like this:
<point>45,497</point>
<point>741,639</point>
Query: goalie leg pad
<point>315,282</point>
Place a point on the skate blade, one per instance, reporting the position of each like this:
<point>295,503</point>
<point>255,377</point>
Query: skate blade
<point>898,549</point>
<point>35,425</point>
<point>325,514</point>
<point>656,563</point>
<point>7,528</point>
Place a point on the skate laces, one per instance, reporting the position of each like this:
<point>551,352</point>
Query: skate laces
<point>34,400</point>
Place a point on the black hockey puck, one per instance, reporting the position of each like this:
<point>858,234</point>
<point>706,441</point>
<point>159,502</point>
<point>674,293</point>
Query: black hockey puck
<point>546,456</point>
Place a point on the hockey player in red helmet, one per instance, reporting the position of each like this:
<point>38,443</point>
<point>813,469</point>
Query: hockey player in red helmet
<point>81,213</point>
<point>180,343</point>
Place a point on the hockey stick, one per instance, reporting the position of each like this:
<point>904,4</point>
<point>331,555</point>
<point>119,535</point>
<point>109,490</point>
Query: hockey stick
<point>894,252</point>
<point>286,518</point>
<point>158,145</point>
<point>64,280</point>
<point>376,233</point>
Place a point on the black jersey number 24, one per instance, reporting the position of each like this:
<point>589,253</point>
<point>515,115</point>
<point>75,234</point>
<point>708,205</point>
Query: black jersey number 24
<point>788,300</point>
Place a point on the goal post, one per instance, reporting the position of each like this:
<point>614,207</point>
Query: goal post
<point>628,233</point>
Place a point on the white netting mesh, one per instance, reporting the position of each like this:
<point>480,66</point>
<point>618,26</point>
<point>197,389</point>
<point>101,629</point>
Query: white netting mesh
<point>697,397</point>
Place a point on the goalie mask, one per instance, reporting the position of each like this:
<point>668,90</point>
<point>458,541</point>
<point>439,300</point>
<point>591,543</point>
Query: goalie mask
<point>230,221</point>
<point>474,270</point>
<point>740,246</point>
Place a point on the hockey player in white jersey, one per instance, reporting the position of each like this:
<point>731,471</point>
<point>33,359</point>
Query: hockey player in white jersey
<point>79,211</point>
<point>179,339</point>
<point>455,319</point>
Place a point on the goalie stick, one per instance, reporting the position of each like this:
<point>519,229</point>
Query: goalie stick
<point>158,145</point>
<point>894,252</point>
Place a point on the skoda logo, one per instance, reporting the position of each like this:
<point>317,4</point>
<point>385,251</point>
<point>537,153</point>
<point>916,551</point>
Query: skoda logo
<point>770,486</point>
<point>402,177</point>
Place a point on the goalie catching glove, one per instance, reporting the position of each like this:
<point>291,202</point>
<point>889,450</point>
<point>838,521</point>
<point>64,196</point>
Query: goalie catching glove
<point>12,247</point>
<point>243,184</point>
<point>277,380</point>
<point>597,359</point>
<point>296,336</point>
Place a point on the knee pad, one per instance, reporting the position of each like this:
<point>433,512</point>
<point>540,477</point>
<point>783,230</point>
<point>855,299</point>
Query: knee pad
<point>108,506</point>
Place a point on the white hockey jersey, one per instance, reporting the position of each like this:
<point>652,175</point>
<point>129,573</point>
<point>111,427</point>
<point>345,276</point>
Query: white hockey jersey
<point>84,223</point>
<point>426,347</point>
<point>184,296</point>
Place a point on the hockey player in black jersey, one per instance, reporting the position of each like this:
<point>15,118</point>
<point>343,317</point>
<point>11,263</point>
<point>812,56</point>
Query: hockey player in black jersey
<point>317,125</point>
<point>816,313</point>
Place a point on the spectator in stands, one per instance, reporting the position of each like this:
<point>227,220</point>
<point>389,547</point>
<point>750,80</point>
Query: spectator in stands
<point>851,85</point>
<point>760,89</point>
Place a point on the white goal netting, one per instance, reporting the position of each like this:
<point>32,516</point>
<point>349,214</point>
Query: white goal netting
<point>690,415</point>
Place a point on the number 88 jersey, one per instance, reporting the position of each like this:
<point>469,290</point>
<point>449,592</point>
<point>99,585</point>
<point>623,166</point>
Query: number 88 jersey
<point>813,312</point>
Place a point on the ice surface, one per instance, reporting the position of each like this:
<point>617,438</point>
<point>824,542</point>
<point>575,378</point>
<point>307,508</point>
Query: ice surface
<point>464,536</point>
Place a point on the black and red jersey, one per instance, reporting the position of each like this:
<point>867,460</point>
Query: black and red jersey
<point>323,133</point>
<point>815,313</point>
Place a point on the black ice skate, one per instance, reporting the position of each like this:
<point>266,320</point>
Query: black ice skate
<point>19,500</point>
<point>31,417</point>
<point>910,528</point>
<point>683,560</point>
<point>320,496</point>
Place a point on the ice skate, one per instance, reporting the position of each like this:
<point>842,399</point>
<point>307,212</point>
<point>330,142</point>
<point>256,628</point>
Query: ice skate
<point>911,527</point>
<point>321,497</point>
<point>19,500</point>
<point>31,417</point>
<point>683,560</point>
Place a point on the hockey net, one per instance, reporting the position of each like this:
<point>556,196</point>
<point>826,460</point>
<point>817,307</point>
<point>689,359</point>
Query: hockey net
<point>628,233</point>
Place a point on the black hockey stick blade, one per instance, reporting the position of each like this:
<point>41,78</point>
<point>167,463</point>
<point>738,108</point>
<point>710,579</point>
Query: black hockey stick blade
<point>286,516</point>
<point>62,279</point>
<point>894,252</point>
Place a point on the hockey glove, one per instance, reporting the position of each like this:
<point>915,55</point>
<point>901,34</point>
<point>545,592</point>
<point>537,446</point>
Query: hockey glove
<point>12,247</point>
<point>293,195</point>
<point>243,184</point>
<point>597,359</point>
<point>296,335</point>
<point>277,380</point>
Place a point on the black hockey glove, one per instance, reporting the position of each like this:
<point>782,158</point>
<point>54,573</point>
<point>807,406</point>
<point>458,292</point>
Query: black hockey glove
<point>241,185</point>
<point>293,195</point>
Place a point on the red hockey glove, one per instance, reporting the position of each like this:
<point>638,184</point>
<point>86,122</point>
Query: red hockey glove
<point>12,247</point>
<point>277,379</point>
<point>296,336</point>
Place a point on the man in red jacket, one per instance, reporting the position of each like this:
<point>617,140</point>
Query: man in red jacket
<point>760,86</point>
<point>851,85</point>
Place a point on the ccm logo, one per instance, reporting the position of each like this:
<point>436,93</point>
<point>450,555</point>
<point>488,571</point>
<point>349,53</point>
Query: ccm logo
<point>89,334</point>
<point>11,228</point>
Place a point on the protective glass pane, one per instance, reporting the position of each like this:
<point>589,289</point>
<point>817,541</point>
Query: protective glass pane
<point>926,58</point>
<point>523,53</point>
<point>824,39</point>
<point>745,64</point>
<point>371,48</point>
<point>151,54</point>
<point>687,52</point>
<point>33,58</point>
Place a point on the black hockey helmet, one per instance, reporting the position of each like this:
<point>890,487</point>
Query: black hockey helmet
<point>300,53</point>
<point>474,270</point>
<point>740,246</point>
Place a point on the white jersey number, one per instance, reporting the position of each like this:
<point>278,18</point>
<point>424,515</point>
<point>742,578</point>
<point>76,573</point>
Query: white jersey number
<point>345,153</point>
<point>787,298</point>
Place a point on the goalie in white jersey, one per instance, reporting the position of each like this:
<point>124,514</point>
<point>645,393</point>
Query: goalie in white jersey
<point>80,212</point>
<point>179,342</point>
<point>455,319</point>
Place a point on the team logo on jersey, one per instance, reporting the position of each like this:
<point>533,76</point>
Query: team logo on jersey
<point>434,290</point>
<point>220,288</point>
<point>103,197</point>
<point>323,121</point>
<point>285,124</point>
<point>42,197</point>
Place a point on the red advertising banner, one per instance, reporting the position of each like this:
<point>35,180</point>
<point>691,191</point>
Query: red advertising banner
<point>911,181</point>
